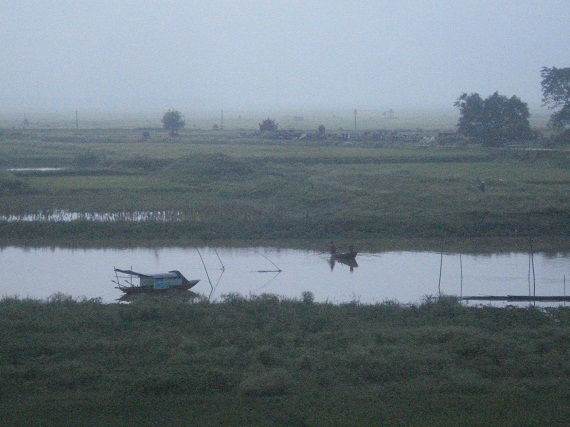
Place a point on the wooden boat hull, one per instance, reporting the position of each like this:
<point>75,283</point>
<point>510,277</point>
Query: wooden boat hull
<point>344,256</point>
<point>132,290</point>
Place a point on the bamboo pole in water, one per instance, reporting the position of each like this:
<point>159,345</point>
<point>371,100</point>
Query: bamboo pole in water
<point>461,271</point>
<point>267,271</point>
<point>529,288</point>
<point>219,259</point>
<point>531,267</point>
<point>205,269</point>
<point>440,268</point>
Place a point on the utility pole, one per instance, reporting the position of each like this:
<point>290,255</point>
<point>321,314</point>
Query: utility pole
<point>355,119</point>
<point>222,121</point>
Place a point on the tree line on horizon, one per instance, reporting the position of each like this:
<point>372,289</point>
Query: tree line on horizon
<point>497,119</point>
<point>494,120</point>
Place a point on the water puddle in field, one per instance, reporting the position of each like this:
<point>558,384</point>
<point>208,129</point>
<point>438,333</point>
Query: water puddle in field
<point>46,169</point>
<point>403,276</point>
<point>69,216</point>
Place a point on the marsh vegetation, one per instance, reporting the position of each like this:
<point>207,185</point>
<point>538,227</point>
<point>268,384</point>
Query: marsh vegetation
<point>228,187</point>
<point>270,361</point>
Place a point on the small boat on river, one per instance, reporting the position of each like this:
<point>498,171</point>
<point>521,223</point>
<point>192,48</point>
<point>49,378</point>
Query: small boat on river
<point>152,283</point>
<point>343,256</point>
<point>346,258</point>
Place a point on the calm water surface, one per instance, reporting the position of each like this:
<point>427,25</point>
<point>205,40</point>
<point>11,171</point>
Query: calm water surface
<point>402,276</point>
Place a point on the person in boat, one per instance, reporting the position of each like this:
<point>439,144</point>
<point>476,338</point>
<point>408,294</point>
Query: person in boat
<point>351,249</point>
<point>332,248</point>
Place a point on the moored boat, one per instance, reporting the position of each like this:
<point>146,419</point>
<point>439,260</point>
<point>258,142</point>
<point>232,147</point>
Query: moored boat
<point>152,283</point>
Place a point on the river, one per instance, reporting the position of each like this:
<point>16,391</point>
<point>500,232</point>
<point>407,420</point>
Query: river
<point>403,276</point>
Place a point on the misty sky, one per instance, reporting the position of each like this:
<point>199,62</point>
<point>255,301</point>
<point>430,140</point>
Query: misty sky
<point>192,55</point>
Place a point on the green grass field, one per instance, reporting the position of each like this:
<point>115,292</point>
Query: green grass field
<point>226,187</point>
<point>265,361</point>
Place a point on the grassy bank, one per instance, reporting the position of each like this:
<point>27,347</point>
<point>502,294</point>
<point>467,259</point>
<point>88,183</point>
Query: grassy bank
<point>233,189</point>
<point>269,361</point>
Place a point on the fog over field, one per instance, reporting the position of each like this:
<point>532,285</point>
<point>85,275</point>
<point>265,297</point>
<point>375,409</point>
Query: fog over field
<point>203,56</point>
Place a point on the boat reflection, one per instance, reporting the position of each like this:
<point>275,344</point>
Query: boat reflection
<point>351,262</point>
<point>174,294</point>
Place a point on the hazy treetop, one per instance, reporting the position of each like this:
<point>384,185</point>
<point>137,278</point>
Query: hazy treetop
<point>187,55</point>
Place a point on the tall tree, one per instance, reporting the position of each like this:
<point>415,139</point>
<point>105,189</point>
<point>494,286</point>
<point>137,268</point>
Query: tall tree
<point>173,121</point>
<point>495,119</point>
<point>556,94</point>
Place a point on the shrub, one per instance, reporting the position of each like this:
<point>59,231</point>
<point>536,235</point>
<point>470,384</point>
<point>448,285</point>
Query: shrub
<point>308,297</point>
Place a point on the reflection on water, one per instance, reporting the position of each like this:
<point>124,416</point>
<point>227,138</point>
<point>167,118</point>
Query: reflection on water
<point>178,295</point>
<point>401,276</point>
<point>351,263</point>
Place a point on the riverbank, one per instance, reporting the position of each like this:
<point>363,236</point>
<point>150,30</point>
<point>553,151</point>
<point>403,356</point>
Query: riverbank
<point>268,361</point>
<point>403,276</point>
<point>371,244</point>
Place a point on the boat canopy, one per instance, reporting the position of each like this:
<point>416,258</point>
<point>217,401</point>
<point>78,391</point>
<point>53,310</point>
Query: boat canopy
<point>158,280</point>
